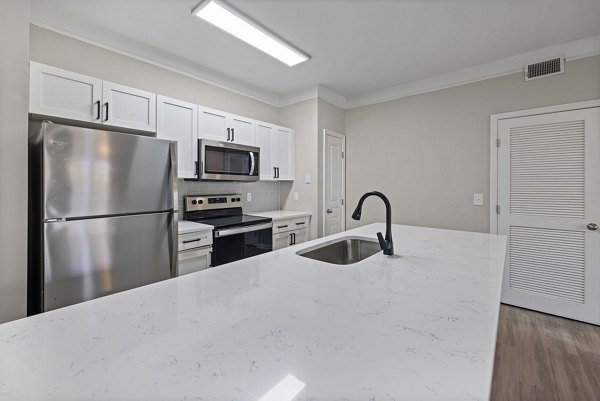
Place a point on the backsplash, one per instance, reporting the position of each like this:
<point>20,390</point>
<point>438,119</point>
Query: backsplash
<point>265,195</point>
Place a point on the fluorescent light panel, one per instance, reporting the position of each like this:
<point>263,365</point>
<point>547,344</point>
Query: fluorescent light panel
<point>242,27</point>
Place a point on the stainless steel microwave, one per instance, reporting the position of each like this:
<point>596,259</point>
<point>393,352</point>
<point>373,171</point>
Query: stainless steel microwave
<point>224,161</point>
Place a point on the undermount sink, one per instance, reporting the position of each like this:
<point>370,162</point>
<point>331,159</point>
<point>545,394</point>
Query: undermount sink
<point>342,251</point>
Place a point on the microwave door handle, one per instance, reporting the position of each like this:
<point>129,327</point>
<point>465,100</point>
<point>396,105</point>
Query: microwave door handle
<point>251,163</point>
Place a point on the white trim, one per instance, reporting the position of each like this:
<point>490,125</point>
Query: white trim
<point>322,177</point>
<point>574,50</point>
<point>317,92</point>
<point>494,118</point>
<point>299,97</point>
<point>194,72</point>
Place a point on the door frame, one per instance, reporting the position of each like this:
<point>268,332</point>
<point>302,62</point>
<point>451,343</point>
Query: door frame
<point>494,119</point>
<point>323,172</point>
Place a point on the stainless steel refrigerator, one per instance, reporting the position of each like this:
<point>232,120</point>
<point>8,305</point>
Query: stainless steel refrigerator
<point>102,213</point>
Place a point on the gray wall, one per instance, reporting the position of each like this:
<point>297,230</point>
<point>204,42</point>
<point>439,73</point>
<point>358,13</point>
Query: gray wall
<point>61,51</point>
<point>14,105</point>
<point>303,118</point>
<point>332,118</point>
<point>429,153</point>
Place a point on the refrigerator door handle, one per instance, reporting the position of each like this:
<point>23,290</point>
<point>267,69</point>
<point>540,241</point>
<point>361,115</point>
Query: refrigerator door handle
<point>174,233</point>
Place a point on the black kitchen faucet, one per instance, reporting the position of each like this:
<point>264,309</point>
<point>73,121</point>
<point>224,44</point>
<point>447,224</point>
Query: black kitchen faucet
<point>387,245</point>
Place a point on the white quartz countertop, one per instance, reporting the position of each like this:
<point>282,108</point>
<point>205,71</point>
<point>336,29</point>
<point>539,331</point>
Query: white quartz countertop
<point>420,325</point>
<point>185,227</point>
<point>281,214</point>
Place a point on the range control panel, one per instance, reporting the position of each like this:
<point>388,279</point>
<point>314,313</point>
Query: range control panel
<point>207,202</point>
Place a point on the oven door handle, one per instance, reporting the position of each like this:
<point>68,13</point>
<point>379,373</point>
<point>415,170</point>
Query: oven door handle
<point>251,163</point>
<point>241,230</point>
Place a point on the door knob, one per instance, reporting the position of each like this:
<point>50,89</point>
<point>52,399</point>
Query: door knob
<point>592,226</point>
<point>329,211</point>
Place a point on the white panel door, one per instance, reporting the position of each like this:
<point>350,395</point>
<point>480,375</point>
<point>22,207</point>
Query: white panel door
<point>243,130</point>
<point>548,191</point>
<point>334,176</point>
<point>61,93</point>
<point>213,124</point>
<point>177,120</point>
<point>283,146</point>
<point>128,107</point>
<point>264,135</point>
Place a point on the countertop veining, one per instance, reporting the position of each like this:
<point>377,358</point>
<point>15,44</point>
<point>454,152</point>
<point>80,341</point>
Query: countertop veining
<point>420,325</point>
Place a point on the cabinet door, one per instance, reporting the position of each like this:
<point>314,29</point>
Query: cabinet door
<point>60,93</point>
<point>243,130</point>
<point>300,236</point>
<point>194,260</point>
<point>213,124</point>
<point>128,107</point>
<point>177,120</point>
<point>264,135</point>
<point>284,148</point>
<point>281,240</point>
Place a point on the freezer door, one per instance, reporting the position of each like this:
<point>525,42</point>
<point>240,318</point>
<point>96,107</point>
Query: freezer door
<point>91,258</point>
<point>89,172</point>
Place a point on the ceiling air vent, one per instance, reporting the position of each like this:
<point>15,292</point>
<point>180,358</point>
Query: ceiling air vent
<point>544,68</point>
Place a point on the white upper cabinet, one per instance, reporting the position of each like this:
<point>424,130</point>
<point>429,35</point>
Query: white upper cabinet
<point>65,94</point>
<point>264,134</point>
<point>57,92</point>
<point>276,152</point>
<point>177,120</point>
<point>128,107</point>
<point>213,124</point>
<point>283,156</point>
<point>243,130</point>
<point>225,127</point>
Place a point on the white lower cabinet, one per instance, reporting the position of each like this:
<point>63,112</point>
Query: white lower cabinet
<point>293,231</point>
<point>194,260</point>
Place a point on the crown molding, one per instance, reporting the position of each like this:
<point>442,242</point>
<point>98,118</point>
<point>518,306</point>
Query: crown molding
<point>316,92</point>
<point>174,64</point>
<point>574,50</point>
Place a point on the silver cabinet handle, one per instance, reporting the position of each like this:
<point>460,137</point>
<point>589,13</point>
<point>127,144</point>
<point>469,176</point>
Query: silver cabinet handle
<point>329,211</point>
<point>592,226</point>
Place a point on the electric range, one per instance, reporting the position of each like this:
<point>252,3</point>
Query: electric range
<point>236,235</point>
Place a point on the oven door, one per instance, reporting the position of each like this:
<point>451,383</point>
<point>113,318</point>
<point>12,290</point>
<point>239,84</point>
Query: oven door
<point>231,244</point>
<point>224,161</point>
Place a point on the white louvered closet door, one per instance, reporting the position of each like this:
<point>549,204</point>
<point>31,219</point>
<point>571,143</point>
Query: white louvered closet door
<point>548,193</point>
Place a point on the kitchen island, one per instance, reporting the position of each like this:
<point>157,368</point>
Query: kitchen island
<point>420,325</point>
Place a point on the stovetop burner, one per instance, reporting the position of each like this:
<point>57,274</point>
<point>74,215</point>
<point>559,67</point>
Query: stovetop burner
<point>219,211</point>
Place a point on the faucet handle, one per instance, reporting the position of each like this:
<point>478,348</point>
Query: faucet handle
<point>382,242</point>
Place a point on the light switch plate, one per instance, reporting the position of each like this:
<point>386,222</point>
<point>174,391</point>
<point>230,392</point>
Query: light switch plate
<point>478,199</point>
<point>295,195</point>
<point>307,178</point>
<point>249,196</point>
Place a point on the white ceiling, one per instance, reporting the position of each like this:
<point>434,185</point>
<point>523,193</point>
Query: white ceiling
<point>357,46</point>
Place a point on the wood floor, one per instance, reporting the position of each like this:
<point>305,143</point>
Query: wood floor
<point>546,358</point>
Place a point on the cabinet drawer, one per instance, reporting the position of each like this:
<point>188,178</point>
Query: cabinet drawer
<point>300,222</point>
<point>194,260</point>
<point>281,226</point>
<point>194,240</point>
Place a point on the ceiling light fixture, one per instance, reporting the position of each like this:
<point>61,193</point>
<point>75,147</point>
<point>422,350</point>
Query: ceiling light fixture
<point>242,27</point>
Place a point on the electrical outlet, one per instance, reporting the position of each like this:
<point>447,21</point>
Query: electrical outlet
<point>249,196</point>
<point>295,195</point>
<point>307,178</point>
<point>478,199</point>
